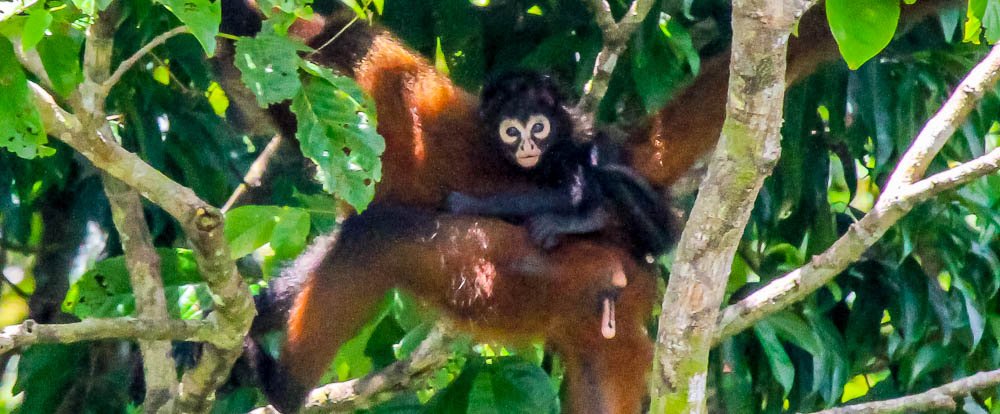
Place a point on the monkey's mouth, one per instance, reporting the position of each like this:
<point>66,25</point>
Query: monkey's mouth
<point>528,161</point>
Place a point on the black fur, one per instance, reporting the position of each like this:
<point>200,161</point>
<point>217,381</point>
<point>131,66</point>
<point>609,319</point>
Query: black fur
<point>578,184</point>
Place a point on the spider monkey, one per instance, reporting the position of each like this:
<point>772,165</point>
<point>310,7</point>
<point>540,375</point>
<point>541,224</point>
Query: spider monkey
<point>526,120</point>
<point>511,290</point>
<point>483,272</point>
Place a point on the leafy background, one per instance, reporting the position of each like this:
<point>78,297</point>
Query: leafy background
<point>920,308</point>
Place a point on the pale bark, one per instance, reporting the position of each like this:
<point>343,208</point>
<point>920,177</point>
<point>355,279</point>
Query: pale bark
<point>29,333</point>
<point>147,287</point>
<point>938,398</point>
<point>747,151</point>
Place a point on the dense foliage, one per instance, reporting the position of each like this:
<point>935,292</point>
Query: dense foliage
<point>921,308</point>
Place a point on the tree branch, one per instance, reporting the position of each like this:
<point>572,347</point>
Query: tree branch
<point>616,35</point>
<point>255,174</point>
<point>150,302</point>
<point>132,60</point>
<point>939,398</point>
<point>942,126</point>
<point>748,149</point>
<point>349,396</point>
<point>31,61</point>
<point>897,200</point>
<point>202,224</point>
<point>87,133</point>
<point>29,333</point>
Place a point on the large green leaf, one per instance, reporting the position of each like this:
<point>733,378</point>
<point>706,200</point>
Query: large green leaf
<point>202,17</point>
<point>991,21</point>
<point>37,23</point>
<point>336,129</point>
<point>513,386</point>
<point>250,227</point>
<point>21,129</point>
<point>60,55</point>
<point>269,65</point>
<point>862,28</point>
<point>777,358</point>
<point>105,291</point>
<point>45,374</point>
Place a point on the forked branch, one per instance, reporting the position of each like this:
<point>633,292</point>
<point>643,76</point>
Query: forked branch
<point>900,195</point>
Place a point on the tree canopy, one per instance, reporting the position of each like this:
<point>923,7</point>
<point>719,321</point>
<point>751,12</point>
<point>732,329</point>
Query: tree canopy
<point>918,309</point>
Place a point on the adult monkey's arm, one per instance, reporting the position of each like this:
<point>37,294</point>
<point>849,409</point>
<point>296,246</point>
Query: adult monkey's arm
<point>690,125</point>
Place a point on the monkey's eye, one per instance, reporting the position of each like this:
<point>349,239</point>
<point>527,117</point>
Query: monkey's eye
<point>510,131</point>
<point>540,127</point>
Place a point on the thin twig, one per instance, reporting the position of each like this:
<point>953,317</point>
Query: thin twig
<point>335,36</point>
<point>616,35</point>
<point>186,90</point>
<point>13,286</point>
<point>132,60</point>
<point>255,174</point>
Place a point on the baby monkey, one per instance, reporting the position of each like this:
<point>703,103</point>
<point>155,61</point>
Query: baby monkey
<point>526,120</point>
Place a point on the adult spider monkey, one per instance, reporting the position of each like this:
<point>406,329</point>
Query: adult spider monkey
<point>525,119</point>
<point>485,273</point>
<point>510,289</point>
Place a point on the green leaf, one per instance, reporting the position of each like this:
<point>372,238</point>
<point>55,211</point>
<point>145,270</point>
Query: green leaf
<point>249,227</point>
<point>351,360</point>
<point>512,385</point>
<point>929,358</point>
<point>105,291</point>
<point>974,21</point>
<point>269,65</point>
<point>412,340</point>
<point>91,7</point>
<point>202,17</point>
<point>862,28</point>
<point>991,21</point>
<point>336,129</point>
<point>658,58</point>
<point>973,313</point>
<point>60,55</point>
<point>46,372</point>
<point>21,129</point>
<point>794,329</point>
<point>34,28</point>
<point>949,19</point>
<point>189,301</point>
<point>290,233</point>
<point>781,365</point>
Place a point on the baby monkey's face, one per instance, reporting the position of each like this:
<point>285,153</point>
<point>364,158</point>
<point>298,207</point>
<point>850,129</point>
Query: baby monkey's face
<point>525,139</point>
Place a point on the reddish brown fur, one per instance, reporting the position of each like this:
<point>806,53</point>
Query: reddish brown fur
<point>484,272</point>
<point>490,278</point>
<point>686,129</point>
